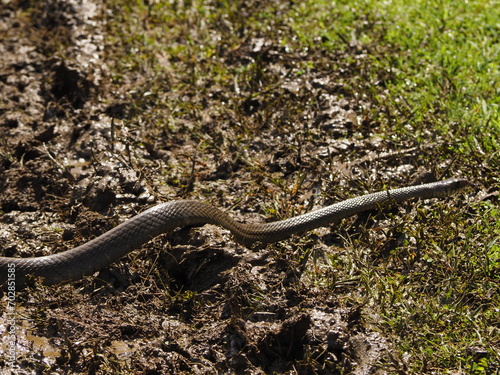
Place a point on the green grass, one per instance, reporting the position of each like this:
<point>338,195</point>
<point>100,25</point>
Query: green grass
<point>443,80</point>
<point>445,60</point>
<point>431,69</point>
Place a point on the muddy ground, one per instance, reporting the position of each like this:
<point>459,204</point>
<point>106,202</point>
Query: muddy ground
<point>81,151</point>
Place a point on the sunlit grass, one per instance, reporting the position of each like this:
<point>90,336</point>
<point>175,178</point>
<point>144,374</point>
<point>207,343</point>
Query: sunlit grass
<point>443,78</point>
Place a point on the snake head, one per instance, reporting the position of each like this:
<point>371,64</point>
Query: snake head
<point>456,184</point>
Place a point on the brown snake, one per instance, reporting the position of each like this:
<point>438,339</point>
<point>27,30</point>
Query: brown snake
<point>98,253</point>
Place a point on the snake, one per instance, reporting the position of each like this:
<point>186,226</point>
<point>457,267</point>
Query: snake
<point>98,253</point>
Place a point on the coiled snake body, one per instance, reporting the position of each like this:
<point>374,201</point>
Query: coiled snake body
<point>98,253</point>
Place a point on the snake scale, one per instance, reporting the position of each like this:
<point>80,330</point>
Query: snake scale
<point>98,253</point>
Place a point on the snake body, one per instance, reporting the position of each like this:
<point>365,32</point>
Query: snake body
<point>98,253</point>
